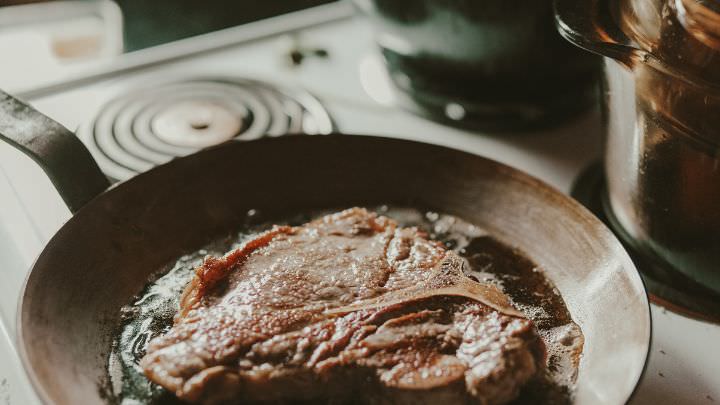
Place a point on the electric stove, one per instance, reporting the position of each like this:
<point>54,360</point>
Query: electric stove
<point>314,71</point>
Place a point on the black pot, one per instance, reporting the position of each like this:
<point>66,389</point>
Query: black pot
<point>497,64</point>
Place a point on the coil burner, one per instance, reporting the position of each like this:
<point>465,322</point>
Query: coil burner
<point>151,126</point>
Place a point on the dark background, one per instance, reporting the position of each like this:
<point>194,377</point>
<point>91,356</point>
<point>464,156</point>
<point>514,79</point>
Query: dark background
<point>153,22</point>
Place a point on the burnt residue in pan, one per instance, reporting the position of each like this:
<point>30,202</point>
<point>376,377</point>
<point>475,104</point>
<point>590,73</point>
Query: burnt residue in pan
<point>487,260</point>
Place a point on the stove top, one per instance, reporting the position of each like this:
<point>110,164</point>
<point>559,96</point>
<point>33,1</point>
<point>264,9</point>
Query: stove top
<point>156,104</point>
<point>153,124</point>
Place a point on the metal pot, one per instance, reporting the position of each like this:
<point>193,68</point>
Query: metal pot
<point>662,117</point>
<point>489,65</point>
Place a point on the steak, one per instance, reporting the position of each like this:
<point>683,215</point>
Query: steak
<point>350,307</point>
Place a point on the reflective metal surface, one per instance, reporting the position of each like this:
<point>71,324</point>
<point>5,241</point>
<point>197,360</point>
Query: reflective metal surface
<point>662,97</point>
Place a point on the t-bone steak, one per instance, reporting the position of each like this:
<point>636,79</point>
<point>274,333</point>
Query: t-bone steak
<point>350,307</point>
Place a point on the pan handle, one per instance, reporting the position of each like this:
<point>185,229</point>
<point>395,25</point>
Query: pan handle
<point>57,150</point>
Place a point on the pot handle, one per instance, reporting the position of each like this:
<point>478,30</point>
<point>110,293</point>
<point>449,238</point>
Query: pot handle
<point>589,24</point>
<point>57,150</point>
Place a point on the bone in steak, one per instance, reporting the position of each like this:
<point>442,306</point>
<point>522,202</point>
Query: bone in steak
<point>348,307</point>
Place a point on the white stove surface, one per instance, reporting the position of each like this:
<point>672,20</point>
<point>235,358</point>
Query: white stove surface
<point>684,361</point>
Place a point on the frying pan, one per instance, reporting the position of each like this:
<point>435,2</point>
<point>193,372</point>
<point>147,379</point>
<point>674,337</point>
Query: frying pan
<point>117,237</point>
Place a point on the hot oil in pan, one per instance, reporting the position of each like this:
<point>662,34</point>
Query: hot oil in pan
<point>150,315</point>
<point>487,260</point>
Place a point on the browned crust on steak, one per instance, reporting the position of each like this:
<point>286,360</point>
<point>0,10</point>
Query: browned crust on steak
<point>213,270</point>
<point>347,306</point>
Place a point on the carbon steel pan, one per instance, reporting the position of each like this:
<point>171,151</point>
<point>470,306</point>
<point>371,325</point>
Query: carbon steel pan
<point>104,255</point>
